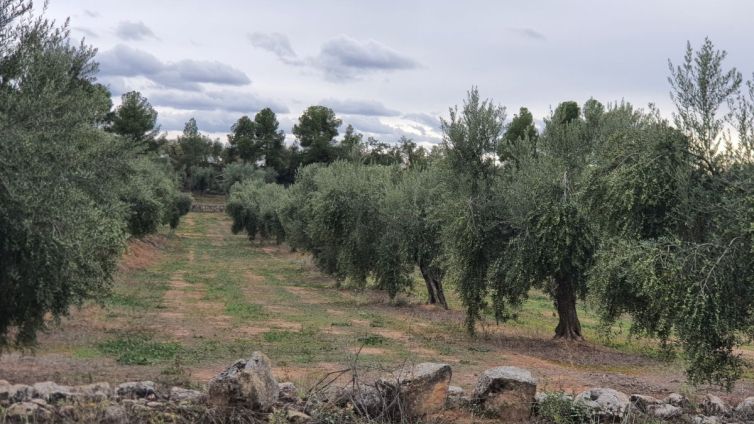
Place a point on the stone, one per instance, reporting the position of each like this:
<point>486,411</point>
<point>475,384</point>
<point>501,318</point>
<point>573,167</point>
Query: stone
<point>643,402</point>
<point>95,392</point>
<point>664,411</point>
<point>367,399</point>
<point>713,405</point>
<point>248,383</point>
<point>456,398</point>
<point>13,393</point>
<point>179,394</point>
<point>746,408</point>
<point>701,419</point>
<point>608,404</point>
<point>27,412</point>
<point>288,392</point>
<point>297,417</point>
<point>423,388</point>
<point>51,392</point>
<point>507,392</point>
<point>114,414</point>
<point>679,400</point>
<point>135,389</point>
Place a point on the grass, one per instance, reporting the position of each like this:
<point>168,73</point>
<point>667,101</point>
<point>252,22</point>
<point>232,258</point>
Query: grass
<point>239,296</point>
<point>139,349</point>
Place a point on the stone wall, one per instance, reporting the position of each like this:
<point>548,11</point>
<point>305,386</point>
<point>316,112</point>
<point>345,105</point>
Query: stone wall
<point>248,392</point>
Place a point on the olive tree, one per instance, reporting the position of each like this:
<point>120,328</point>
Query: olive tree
<point>475,228</point>
<point>254,205</point>
<point>413,211</point>
<point>680,261</point>
<point>62,226</point>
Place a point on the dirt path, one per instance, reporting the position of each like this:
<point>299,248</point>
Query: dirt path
<point>186,308</point>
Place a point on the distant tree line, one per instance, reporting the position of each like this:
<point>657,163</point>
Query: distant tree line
<point>608,203</point>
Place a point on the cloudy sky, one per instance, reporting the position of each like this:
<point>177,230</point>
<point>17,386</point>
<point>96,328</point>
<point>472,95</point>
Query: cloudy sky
<point>391,68</point>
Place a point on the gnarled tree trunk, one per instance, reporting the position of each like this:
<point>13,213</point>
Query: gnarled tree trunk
<point>569,326</point>
<point>436,295</point>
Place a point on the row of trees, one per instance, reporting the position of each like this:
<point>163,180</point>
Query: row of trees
<point>71,193</point>
<point>608,203</point>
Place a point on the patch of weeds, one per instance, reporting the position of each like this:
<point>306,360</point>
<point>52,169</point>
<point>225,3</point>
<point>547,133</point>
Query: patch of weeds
<point>129,300</point>
<point>176,374</point>
<point>377,323</point>
<point>480,348</point>
<point>557,408</point>
<point>340,324</point>
<point>86,352</point>
<point>139,349</point>
<point>305,346</point>
<point>371,340</point>
<point>245,311</point>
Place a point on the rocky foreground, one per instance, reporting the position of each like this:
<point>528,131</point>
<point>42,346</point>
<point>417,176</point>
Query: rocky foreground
<point>247,392</point>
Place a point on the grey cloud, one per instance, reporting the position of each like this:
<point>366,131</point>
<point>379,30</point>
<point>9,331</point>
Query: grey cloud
<point>231,101</point>
<point>345,58</point>
<point>432,121</point>
<point>359,107</point>
<point>209,72</point>
<point>126,61</point>
<point>529,33</point>
<point>127,30</point>
<point>91,13</point>
<point>278,44</point>
<point>341,58</point>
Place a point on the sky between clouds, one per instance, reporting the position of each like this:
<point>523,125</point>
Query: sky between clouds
<point>391,68</point>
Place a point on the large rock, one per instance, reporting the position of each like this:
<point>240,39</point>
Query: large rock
<point>114,414</point>
<point>456,398</point>
<point>423,389</point>
<point>746,408</point>
<point>507,392</point>
<point>248,383</point>
<point>713,405</point>
<point>608,404</point>
<point>679,400</point>
<point>95,392</point>
<point>179,394</point>
<point>701,419</point>
<point>664,411</point>
<point>12,393</point>
<point>367,399</point>
<point>136,390</point>
<point>27,412</point>
<point>51,392</point>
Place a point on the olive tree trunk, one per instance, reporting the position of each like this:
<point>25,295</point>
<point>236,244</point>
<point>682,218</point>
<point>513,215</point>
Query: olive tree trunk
<point>569,327</point>
<point>436,295</point>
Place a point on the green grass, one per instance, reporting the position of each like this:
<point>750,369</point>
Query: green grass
<point>334,323</point>
<point>139,349</point>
